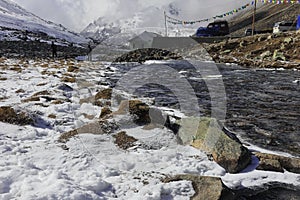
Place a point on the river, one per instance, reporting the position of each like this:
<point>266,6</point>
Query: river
<point>262,105</point>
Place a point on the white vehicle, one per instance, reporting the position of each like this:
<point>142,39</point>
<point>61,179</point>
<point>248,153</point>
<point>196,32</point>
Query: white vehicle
<point>284,26</point>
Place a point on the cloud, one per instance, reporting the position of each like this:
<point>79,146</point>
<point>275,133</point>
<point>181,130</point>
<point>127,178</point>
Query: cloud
<point>77,14</point>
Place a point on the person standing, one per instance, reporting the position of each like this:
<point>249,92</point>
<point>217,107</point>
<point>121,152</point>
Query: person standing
<point>54,50</point>
<point>89,52</point>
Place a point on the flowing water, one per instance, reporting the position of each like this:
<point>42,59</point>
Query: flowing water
<point>263,105</point>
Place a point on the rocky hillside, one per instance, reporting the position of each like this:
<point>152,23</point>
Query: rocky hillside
<point>266,16</point>
<point>264,50</point>
<point>37,49</point>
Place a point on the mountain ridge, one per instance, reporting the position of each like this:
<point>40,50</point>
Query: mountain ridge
<point>16,23</point>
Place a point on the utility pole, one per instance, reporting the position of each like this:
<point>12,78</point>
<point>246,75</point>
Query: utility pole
<point>166,24</point>
<point>253,21</point>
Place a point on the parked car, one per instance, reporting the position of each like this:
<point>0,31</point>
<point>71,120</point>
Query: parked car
<point>248,32</point>
<point>217,28</point>
<point>284,26</point>
<point>298,22</point>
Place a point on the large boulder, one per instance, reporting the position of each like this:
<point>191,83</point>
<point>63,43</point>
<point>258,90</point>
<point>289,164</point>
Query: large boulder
<point>207,135</point>
<point>206,188</point>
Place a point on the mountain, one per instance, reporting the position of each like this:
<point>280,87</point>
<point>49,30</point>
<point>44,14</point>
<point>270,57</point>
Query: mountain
<point>18,24</point>
<point>117,31</point>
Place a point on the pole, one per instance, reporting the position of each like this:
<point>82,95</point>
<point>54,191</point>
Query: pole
<point>253,21</point>
<point>166,25</point>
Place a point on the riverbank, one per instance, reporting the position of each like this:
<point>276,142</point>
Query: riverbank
<point>261,51</point>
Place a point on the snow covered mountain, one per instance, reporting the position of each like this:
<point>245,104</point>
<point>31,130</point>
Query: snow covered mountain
<point>16,24</point>
<point>114,31</point>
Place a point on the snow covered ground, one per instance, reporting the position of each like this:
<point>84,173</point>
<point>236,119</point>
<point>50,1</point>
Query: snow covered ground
<point>34,165</point>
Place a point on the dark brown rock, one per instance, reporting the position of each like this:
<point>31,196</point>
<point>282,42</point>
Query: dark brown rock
<point>105,112</point>
<point>124,141</point>
<point>104,94</point>
<point>9,115</point>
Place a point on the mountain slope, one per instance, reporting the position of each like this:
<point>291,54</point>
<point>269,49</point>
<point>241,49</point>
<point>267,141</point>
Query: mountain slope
<point>16,23</point>
<point>266,16</point>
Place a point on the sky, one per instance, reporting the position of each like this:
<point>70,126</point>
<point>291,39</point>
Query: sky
<point>77,14</point>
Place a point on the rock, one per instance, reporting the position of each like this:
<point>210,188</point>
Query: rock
<point>9,115</point>
<point>65,87</point>
<point>271,162</point>
<point>206,188</point>
<point>288,40</point>
<point>41,93</point>
<point>69,79</point>
<point>105,112</point>
<point>124,141</point>
<point>138,109</point>
<point>141,55</point>
<point>157,117</point>
<point>265,54</point>
<point>30,99</point>
<point>227,51</point>
<point>207,135</point>
<point>278,56</point>
<point>270,165</point>
<point>73,69</point>
<point>20,91</point>
<point>104,94</point>
<point>270,191</point>
<point>52,116</point>
<point>97,128</point>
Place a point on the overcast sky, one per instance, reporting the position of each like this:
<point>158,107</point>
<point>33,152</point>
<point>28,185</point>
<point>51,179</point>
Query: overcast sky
<point>77,14</point>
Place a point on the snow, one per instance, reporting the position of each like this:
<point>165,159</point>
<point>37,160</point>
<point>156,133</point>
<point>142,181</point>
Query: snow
<point>34,165</point>
<point>117,31</point>
<point>14,18</point>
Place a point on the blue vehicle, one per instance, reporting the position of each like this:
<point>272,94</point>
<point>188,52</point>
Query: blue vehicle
<point>298,23</point>
<point>217,28</point>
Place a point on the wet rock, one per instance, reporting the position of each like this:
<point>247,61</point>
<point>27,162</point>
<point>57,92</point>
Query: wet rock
<point>104,94</point>
<point>9,115</point>
<point>206,188</point>
<point>207,135</point>
<point>271,162</point>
